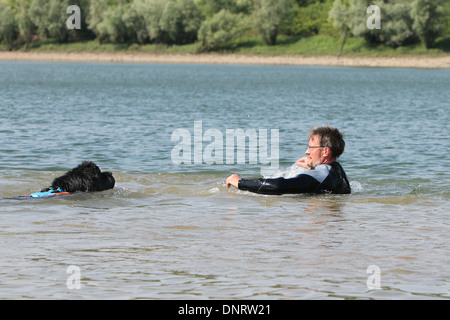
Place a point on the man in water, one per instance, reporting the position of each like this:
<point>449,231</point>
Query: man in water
<point>324,174</point>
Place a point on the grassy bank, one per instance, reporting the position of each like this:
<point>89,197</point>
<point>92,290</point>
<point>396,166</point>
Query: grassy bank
<point>319,45</point>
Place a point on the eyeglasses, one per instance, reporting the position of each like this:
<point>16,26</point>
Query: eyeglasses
<point>313,147</point>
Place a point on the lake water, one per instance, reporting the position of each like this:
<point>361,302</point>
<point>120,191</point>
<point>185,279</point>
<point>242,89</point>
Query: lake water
<point>173,230</point>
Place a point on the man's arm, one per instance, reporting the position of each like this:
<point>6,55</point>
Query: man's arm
<point>234,179</point>
<point>303,183</point>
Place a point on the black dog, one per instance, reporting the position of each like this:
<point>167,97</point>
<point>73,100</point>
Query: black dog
<point>85,177</point>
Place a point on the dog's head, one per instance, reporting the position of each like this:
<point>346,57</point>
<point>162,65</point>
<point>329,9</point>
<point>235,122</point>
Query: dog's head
<point>85,177</point>
<point>104,181</point>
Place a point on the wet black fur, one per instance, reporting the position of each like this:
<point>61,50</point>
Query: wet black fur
<point>85,177</point>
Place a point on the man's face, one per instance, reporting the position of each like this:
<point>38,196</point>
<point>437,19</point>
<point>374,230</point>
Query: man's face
<point>314,152</point>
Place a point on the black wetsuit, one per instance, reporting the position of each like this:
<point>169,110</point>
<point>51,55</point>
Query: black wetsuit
<point>325,178</point>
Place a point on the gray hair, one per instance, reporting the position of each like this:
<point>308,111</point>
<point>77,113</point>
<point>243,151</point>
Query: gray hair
<point>329,137</point>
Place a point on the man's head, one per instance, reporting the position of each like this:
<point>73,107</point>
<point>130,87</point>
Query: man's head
<point>326,144</point>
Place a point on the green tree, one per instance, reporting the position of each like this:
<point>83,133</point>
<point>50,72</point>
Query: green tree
<point>167,21</point>
<point>192,20</point>
<point>113,27</point>
<point>95,17</point>
<point>269,16</point>
<point>8,25</point>
<point>305,3</point>
<point>340,18</point>
<point>50,18</point>
<point>211,7</point>
<point>350,17</point>
<point>217,31</point>
<point>428,20</point>
<point>396,26</point>
<point>26,27</point>
<point>57,17</point>
<point>180,22</point>
<point>135,21</point>
<point>152,11</point>
<point>307,20</point>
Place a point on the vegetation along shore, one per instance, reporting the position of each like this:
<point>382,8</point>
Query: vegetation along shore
<point>382,33</point>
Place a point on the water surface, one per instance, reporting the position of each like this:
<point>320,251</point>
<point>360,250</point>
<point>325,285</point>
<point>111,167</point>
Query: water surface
<point>172,231</point>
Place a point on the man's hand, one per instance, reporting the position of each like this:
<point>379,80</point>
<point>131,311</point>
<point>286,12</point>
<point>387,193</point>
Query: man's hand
<point>233,180</point>
<point>304,162</point>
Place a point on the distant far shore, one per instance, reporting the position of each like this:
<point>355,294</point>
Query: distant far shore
<point>438,62</point>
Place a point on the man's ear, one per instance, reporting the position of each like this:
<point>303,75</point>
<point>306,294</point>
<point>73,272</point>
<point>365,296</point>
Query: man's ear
<point>327,151</point>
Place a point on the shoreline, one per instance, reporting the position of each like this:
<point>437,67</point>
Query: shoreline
<point>439,62</point>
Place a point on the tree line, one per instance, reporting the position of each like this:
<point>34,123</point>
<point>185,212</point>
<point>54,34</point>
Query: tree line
<point>215,23</point>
